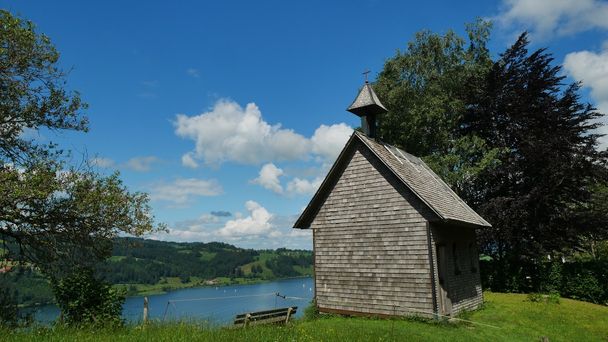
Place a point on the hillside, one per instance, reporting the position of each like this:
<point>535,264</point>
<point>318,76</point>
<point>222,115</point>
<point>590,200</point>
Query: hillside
<point>148,266</point>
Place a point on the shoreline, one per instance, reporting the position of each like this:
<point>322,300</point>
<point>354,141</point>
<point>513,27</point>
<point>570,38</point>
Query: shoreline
<point>236,281</point>
<point>175,288</point>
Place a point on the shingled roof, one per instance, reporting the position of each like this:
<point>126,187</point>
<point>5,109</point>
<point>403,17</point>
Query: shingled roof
<point>414,174</point>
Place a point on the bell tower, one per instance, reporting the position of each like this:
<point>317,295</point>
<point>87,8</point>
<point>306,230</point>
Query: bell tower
<point>367,106</point>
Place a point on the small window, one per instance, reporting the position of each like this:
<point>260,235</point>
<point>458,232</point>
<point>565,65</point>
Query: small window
<point>472,257</point>
<point>455,259</point>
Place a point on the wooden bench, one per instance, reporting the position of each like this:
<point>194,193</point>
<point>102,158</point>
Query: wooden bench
<point>265,317</point>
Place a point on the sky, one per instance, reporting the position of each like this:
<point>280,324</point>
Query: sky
<point>230,113</point>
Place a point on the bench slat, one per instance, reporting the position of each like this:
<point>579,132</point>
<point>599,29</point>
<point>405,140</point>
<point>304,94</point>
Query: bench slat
<point>273,320</point>
<point>264,317</point>
<point>265,312</point>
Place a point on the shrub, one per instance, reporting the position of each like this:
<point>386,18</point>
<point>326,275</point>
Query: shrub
<point>536,297</point>
<point>311,312</point>
<point>551,278</point>
<point>85,299</point>
<point>583,285</point>
<point>8,307</point>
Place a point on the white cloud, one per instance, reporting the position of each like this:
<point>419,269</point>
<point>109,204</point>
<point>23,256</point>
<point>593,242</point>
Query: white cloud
<point>182,190</point>
<point>230,133</point>
<point>150,83</point>
<point>328,141</point>
<point>141,164</point>
<point>102,162</point>
<point>258,229</point>
<point>193,72</point>
<point>591,69</point>
<point>188,161</point>
<point>257,223</point>
<point>269,178</point>
<point>304,186</point>
<point>556,17</point>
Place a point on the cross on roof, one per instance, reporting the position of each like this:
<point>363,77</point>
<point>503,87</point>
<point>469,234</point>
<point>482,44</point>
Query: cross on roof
<point>365,73</point>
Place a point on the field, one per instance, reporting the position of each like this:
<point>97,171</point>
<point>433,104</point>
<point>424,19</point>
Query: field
<point>505,317</point>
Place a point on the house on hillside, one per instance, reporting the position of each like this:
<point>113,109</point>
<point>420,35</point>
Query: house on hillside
<point>389,236</point>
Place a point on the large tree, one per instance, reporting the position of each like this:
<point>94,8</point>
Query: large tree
<point>53,215</point>
<point>541,197</point>
<point>427,89</point>
<point>509,136</point>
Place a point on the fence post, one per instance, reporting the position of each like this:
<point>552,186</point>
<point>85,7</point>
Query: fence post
<point>247,317</point>
<point>145,310</point>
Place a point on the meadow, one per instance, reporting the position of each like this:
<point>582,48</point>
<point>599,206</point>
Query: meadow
<point>504,317</point>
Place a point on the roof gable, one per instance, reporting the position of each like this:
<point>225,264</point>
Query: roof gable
<point>412,172</point>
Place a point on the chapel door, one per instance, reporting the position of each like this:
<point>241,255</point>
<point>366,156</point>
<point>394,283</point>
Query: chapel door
<point>445,303</point>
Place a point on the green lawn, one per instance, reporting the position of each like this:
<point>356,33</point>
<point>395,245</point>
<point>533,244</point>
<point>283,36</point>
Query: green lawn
<point>505,317</point>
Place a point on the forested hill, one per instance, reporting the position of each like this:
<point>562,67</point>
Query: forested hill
<point>147,266</point>
<point>148,262</point>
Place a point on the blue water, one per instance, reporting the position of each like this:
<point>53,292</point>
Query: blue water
<point>214,305</point>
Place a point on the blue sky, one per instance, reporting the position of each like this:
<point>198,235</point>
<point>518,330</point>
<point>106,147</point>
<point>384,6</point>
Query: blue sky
<point>229,113</point>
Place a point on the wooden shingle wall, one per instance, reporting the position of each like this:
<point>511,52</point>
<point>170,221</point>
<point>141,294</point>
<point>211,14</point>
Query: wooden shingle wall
<point>371,243</point>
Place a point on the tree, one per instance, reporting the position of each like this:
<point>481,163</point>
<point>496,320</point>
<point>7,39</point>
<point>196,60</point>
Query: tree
<point>540,197</point>
<point>52,215</point>
<point>33,93</point>
<point>426,90</point>
<point>509,137</point>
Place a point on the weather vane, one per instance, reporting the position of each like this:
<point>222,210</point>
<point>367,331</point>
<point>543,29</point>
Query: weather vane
<point>365,73</point>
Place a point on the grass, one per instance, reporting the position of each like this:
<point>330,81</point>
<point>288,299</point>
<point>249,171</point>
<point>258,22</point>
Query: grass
<point>505,317</point>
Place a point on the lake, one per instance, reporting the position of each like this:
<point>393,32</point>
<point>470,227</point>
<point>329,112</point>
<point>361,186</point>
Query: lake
<point>216,305</point>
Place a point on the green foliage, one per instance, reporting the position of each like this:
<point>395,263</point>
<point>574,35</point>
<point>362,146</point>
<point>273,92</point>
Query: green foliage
<point>27,286</point>
<point>427,89</point>
<point>33,91</point>
<point>551,297</point>
<point>148,266</point>
<point>511,139</point>
<point>579,279</point>
<point>148,261</point>
<point>584,284</point>
<point>283,264</point>
<point>8,305</point>
<point>551,277</point>
<point>543,196</point>
<point>53,216</point>
<point>311,312</point>
<point>85,299</point>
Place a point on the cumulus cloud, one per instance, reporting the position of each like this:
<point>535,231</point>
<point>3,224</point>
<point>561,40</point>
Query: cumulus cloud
<point>102,162</point>
<point>269,178</point>
<point>257,229</point>
<point>141,164</point>
<point>328,141</point>
<point>188,161</point>
<point>304,186</point>
<point>591,69</point>
<point>256,223</point>
<point>183,190</point>
<point>229,132</point>
<point>557,17</point>
<point>192,72</point>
